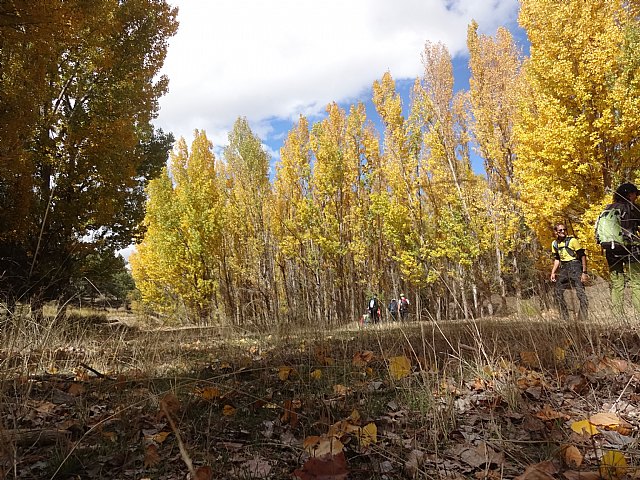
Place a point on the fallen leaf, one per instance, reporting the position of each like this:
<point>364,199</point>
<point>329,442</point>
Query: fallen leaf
<point>169,405</point>
<point>547,414</point>
<point>327,467</point>
<point>210,393</point>
<point>284,372</point>
<point>316,374</point>
<point>540,471</point>
<point>573,475</point>
<point>583,427</point>
<point>321,446</point>
<point>76,389</point>
<point>399,367</point>
<point>368,435</point>
<point>203,473</point>
<point>605,419</point>
<point>572,456</point>
<point>361,359</point>
<point>341,389</point>
<point>613,465</point>
<point>228,410</point>
<point>257,467</point>
<point>151,456</point>
<point>413,463</point>
<point>560,354</point>
<point>530,359</point>
<point>160,437</point>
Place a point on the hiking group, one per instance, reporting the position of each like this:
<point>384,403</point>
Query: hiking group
<point>398,309</point>
<point>617,232</point>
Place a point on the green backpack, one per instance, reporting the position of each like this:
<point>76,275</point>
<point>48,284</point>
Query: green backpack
<point>609,228</point>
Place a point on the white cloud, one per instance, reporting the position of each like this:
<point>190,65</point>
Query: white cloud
<point>276,59</point>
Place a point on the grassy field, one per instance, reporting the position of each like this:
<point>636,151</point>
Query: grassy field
<point>107,395</point>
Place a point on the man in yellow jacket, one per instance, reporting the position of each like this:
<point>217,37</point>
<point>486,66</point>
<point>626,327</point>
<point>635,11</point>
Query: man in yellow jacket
<point>569,270</point>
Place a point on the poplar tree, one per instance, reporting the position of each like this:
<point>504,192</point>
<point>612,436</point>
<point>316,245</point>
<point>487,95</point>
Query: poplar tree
<point>578,115</point>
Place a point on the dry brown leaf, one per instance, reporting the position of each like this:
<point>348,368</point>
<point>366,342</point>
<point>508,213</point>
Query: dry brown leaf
<point>530,359</point>
<point>203,473</point>
<point>573,475</point>
<point>169,405</point>
<point>321,446</point>
<point>228,410</point>
<point>413,463</point>
<point>605,419</point>
<point>210,393</point>
<point>547,414</point>
<point>361,359</point>
<point>327,467</point>
<point>76,389</point>
<point>151,456</point>
<point>572,456</point>
<point>341,389</point>
<point>540,471</point>
<point>257,467</point>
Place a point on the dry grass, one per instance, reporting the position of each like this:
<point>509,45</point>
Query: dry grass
<point>94,387</point>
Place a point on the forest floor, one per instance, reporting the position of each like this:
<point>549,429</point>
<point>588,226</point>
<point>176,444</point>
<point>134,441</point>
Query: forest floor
<point>518,397</point>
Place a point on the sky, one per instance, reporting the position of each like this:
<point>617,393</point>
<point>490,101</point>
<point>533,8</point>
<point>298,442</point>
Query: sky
<point>271,61</point>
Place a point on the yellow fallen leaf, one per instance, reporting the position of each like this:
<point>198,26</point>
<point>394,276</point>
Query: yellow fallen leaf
<point>584,427</point>
<point>354,417</point>
<point>560,354</point>
<point>316,374</point>
<point>284,372</point>
<point>399,367</point>
<point>228,410</point>
<point>210,393</point>
<point>613,465</point>
<point>368,434</point>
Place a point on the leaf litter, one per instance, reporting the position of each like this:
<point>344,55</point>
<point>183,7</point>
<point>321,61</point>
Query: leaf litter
<point>332,410</point>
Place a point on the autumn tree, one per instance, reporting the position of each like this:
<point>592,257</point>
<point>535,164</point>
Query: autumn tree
<point>578,115</point>
<point>495,65</point>
<point>248,265</point>
<point>80,86</point>
<point>177,265</point>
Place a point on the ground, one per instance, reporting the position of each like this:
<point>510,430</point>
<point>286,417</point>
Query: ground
<point>526,397</point>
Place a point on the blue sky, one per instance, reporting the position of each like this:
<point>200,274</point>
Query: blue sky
<point>271,61</point>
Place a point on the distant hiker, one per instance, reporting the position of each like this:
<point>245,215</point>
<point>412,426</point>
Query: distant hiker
<point>617,233</point>
<point>374,309</point>
<point>569,270</point>
<point>393,309</point>
<point>403,307</point>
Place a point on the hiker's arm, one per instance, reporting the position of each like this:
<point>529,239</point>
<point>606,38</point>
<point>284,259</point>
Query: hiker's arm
<point>583,259</point>
<point>556,264</point>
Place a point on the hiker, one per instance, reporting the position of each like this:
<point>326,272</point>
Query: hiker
<point>569,270</point>
<point>393,309</point>
<point>374,309</point>
<point>403,307</point>
<point>622,249</point>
